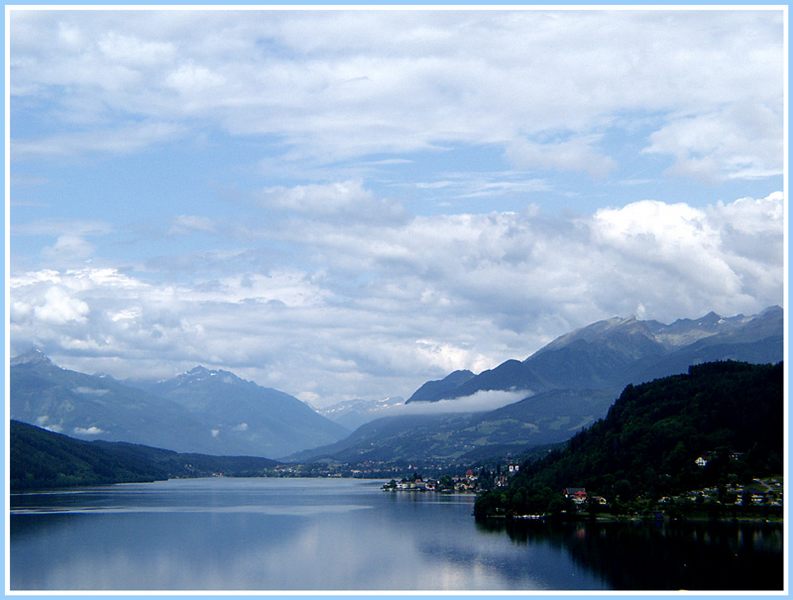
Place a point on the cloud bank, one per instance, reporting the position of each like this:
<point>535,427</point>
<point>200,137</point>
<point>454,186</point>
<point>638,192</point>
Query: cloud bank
<point>329,85</point>
<point>347,203</point>
<point>387,306</point>
<point>479,402</point>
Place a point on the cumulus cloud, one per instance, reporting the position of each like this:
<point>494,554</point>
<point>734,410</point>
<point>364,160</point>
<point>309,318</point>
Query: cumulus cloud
<point>67,249</point>
<point>385,307</point>
<point>449,357</point>
<point>676,237</point>
<point>70,245</point>
<point>58,308</point>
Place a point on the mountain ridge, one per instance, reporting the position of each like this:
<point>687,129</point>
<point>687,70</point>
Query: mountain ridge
<point>569,384</point>
<point>650,441</point>
<point>44,459</point>
<point>197,411</point>
<point>235,408</point>
<point>613,352</point>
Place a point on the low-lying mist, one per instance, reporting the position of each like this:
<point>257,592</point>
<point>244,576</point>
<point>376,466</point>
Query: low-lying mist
<point>479,402</point>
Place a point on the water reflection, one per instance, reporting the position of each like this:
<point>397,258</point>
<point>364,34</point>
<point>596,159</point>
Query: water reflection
<point>259,534</point>
<point>276,534</point>
<point>664,556</point>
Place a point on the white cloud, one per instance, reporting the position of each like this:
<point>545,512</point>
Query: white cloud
<point>287,288</point>
<point>308,397</point>
<point>193,79</point>
<point>383,307</point>
<point>67,249</point>
<point>483,184</point>
<point>121,48</point>
<point>337,84</point>
<point>62,227</point>
<point>89,391</point>
<point>348,200</point>
<point>184,224</point>
<point>675,241</point>
<point>577,154</point>
<point>60,307</point>
<point>739,142</point>
<point>448,357</point>
<point>92,430</point>
<point>479,402</point>
<point>122,140</point>
<point>751,216</point>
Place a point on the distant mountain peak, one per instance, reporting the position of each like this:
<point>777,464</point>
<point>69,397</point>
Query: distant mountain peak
<point>711,317</point>
<point>197,370</point>
<point>200,373</point>
<point>34,356</point>
<point>432,391</point>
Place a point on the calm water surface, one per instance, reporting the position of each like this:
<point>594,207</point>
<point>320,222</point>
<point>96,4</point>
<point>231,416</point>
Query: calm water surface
<point>332,534</point>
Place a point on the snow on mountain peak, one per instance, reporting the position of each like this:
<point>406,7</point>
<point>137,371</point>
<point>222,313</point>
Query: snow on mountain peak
<point>34,356</point>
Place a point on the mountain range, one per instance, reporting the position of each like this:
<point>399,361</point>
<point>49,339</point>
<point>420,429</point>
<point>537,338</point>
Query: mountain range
<point>354,413</point>
<point>566,385</point>
<point>555,392</point>
<point>208,411</point>
<point>611,353</point>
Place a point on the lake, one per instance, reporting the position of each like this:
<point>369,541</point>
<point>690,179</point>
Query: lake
<point>347,534</point>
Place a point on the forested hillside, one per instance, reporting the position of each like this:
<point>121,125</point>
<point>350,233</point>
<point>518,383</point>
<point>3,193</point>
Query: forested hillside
<point>729,413</point>
<point>43,459</point>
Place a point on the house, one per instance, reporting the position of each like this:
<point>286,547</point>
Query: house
<point>578,495</point>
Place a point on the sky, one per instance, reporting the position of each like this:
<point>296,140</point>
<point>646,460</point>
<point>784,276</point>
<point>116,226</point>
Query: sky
<point>345,204</point>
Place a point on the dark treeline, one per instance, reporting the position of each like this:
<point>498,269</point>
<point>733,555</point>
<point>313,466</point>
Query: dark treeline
<point>43,459</point>
<point>645,449</point>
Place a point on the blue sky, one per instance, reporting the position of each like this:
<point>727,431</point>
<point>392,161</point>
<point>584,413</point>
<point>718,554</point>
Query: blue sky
<point>346,204</point>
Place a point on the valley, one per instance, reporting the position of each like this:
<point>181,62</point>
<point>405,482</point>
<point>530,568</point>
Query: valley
<point>562,388</point>
<point>693,453</point>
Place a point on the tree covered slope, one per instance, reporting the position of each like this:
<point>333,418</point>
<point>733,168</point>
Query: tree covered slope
<point>43,459</point>
<point>647,444</point>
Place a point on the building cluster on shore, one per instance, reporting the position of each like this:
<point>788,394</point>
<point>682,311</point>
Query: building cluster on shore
<point>470,483</point>
<point>467,484</point>
<point>760,492</point>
